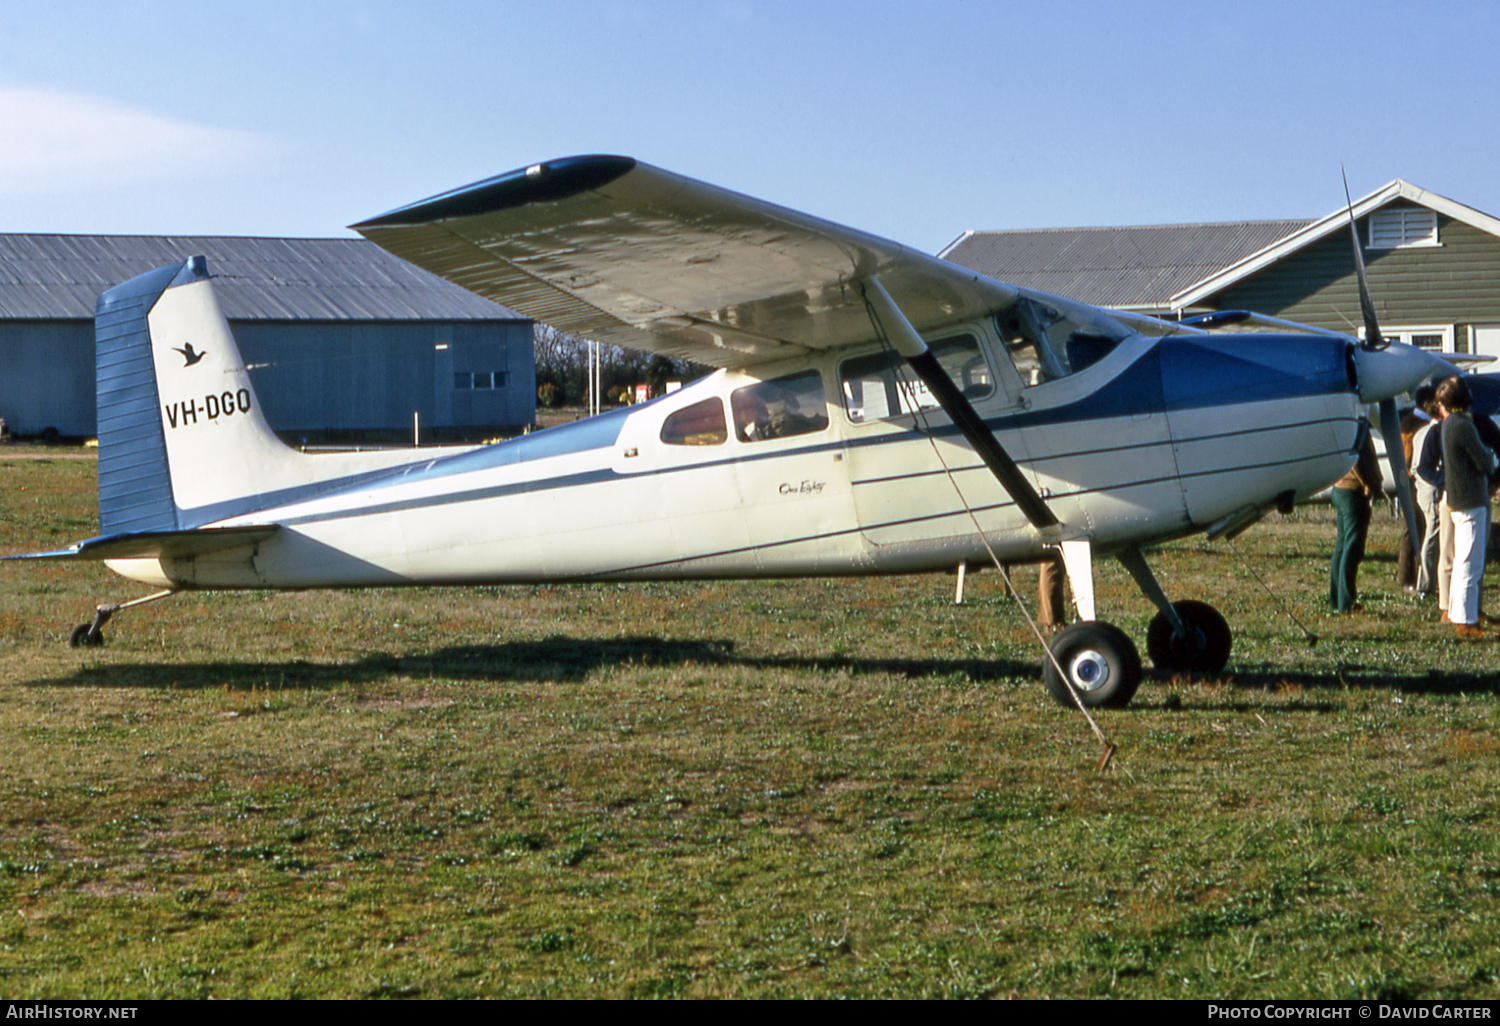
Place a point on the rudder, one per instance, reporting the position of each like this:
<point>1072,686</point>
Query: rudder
<point>135,487</point>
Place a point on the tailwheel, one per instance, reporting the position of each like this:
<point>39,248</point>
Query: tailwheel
<point>1204,648</point>
<point>86,635</point>
<point>91,635</point>
<point>1099,663</point>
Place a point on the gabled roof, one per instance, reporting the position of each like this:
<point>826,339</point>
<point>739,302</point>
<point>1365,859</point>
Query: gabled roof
<point>58,277</point>
<point>1131,268</point>
<point>1317,230</point>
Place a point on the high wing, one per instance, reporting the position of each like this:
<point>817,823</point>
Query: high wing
<point>617,251</point>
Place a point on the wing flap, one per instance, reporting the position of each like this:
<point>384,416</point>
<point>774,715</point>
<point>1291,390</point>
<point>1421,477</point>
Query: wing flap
<point>621,252</point>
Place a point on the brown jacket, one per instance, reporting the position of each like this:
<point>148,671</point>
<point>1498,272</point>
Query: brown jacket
<point>1365,473</point>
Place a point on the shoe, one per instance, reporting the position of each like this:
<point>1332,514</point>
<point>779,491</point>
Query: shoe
<point>1469,631</point>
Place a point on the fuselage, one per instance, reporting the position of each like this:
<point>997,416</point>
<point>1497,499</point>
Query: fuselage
<point>833,464</point>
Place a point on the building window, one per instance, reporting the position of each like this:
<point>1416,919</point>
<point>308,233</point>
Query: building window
<point>1436,338</point>
<point>1404,227</point>
<point>464,381</point>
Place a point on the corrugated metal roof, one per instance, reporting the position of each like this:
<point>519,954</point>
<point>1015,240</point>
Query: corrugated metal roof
<point>58,277</point>
<point>1126,268</point>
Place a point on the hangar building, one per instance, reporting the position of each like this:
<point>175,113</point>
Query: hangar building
<point>1434,267</point>
<point>344,341</point>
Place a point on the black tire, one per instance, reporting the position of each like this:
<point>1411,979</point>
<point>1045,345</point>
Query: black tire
<point>1205,649</point>
<point>84,636</point>
<point>1099,662</point>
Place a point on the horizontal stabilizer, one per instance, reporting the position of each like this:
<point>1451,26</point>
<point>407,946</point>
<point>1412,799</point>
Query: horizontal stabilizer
<point>160,544</point>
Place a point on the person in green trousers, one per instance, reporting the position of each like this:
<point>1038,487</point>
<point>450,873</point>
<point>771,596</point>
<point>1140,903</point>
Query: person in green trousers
<point>1351,497</point>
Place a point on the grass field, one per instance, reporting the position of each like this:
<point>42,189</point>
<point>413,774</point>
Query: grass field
<point>764,789</point>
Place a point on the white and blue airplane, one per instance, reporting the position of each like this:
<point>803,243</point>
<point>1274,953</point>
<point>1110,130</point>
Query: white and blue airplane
<point>876,410</point>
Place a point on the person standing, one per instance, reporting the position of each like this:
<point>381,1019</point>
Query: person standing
<point>1051,605</point>
<point>1467,466</point>
<point>1409,558</point>
<point>1351,496</point>
<point>1427,482</point>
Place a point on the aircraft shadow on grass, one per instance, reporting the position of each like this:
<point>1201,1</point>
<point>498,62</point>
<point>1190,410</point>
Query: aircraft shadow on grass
<point>554,660</point>
<point>568,660</point>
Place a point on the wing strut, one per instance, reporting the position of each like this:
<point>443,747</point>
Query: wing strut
<point>910,345</point>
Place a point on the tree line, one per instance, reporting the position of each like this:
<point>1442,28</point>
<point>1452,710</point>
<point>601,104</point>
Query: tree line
<point>562,370</point>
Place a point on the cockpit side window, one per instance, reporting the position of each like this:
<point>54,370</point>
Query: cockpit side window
<point>781,408</point>
<point>1050,338</point>
<point>881,385</point>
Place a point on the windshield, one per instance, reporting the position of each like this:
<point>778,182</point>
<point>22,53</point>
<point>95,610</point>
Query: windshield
<point>1049,338</point>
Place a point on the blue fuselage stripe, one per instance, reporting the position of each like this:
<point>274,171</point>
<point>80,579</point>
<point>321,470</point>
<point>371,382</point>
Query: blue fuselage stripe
<point>1174,375</point>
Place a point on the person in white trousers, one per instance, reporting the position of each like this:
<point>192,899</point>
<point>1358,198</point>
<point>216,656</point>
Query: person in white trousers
<point>1467,466</point>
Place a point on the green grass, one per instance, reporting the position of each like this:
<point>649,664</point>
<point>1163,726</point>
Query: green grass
<point>761,789</point>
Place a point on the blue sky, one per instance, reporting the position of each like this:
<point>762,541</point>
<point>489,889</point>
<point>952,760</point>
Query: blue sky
<point>913,120</point>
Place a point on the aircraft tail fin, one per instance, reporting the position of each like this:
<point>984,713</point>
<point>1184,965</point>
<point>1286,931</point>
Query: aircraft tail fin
<point>182,439</point>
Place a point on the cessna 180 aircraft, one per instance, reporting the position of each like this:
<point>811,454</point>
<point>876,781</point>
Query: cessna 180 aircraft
<point>876,410</point>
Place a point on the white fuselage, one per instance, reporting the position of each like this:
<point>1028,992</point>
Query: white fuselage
<point>1158,439</point>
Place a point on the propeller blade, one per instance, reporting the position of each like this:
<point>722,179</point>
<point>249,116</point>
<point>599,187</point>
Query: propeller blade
<point>1395,455</point>
<point>1373,338</point>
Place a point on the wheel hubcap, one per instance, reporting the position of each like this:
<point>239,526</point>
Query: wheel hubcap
<point>1089,670</point>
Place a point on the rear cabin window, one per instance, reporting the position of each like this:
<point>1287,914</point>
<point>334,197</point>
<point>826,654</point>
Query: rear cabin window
<point>881,385</point>
<point>780,408</point>
<point>699,424</point>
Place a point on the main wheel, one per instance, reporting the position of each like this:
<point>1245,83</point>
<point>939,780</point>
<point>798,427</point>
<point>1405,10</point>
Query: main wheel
<point>1099,664</point>
<point>1204,650</point>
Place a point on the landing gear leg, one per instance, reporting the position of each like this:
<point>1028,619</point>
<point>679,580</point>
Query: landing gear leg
<point>91,635</point>
<point>1183,637</point>
<point>1092,662</point>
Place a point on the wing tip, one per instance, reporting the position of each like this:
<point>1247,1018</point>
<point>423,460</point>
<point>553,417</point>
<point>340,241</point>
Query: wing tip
<point>547,182</point>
